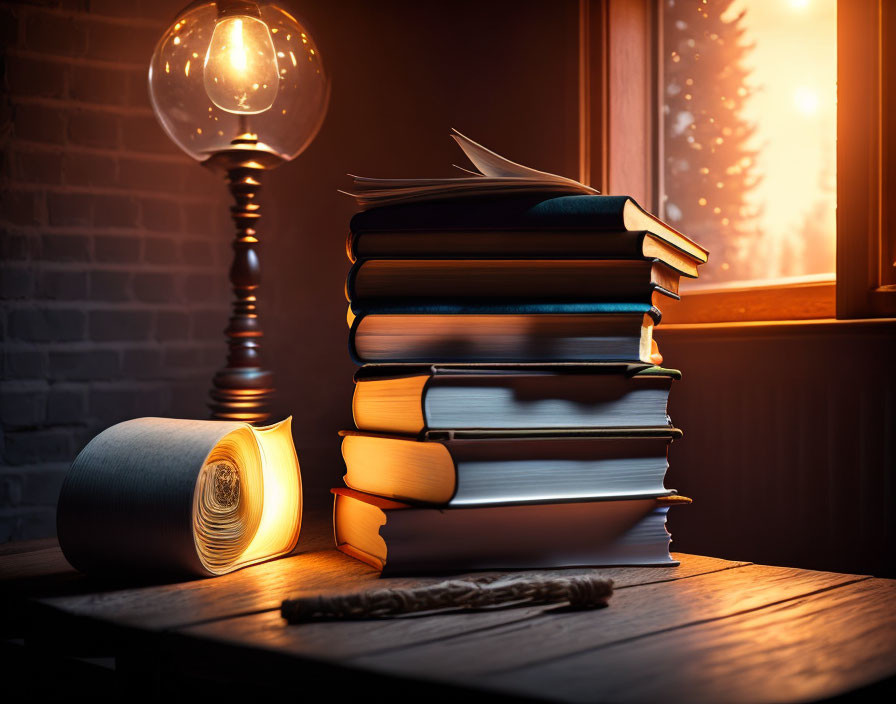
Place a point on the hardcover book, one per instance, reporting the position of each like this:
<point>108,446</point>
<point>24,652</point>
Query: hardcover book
<point>398,538</point>
<point>496,205</point>
<point>563,332</point>
<point>469,469</point>
<point>518,244</point>
<point>593,214</point>
<point>522,397</point>
<point>502,279</point>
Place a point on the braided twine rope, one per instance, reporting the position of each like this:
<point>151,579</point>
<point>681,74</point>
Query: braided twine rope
<point>581,591</point>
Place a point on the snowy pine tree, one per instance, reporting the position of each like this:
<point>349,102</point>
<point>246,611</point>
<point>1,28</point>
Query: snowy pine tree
<point>709,164</point>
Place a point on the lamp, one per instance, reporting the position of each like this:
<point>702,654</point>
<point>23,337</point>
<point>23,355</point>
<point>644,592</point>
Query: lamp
<point>240,87</point>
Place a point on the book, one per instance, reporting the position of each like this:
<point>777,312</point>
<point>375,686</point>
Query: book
<point>509,209</point>
<point>522,333</point>
<point>168,496</point>
<point>398,538</point>
<point>446,398</point>
<point>487,468</point>
<point>495,175</point>
<point>598,217</point>
<point>504,279</point>
<point>517,244</point>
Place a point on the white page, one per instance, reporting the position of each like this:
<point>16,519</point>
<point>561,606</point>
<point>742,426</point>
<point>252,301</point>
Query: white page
<point>498,176</point>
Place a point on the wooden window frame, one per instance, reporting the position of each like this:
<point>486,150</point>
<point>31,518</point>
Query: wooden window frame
<point>866,187</point>
<point>620,146</point>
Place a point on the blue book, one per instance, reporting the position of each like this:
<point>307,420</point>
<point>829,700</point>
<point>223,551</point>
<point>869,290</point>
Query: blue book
<point>521,227</point>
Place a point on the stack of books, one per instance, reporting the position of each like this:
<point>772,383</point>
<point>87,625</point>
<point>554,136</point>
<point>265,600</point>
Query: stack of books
<point>510,407</point>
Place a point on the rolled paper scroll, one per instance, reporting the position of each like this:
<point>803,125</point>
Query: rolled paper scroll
<point>181,496</point>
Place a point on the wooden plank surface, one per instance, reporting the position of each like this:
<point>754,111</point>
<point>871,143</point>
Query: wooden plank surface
<point>341,640</point>
<point>263,587</point>
<point>633,613</point>
<point>45,561</point>
<point>32,569</point>
<point>560,655</point>
<point>708,630</point>
<point>19,546</point>
<point>803,649</point>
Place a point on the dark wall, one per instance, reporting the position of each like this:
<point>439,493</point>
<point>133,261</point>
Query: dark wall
<point>403,74</point>
<point>789,447</point>
<point>115,247</point>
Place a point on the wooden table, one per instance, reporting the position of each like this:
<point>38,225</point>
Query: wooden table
<point>709,630</point>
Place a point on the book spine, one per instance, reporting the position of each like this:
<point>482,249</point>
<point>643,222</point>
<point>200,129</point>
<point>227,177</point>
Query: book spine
<point>438,281</point>
<point>352,349</point>
<point>496,244</point>
<point>350,281</point>
<point>539,212</point>
<point>350,246</point>
<point>435,355</point>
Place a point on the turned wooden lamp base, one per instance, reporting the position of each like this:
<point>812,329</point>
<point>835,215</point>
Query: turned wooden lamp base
<point>242,390</point>
<point>241,394</point>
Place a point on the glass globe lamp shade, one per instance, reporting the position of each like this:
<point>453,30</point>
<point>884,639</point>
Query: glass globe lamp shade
<point>227,68</point>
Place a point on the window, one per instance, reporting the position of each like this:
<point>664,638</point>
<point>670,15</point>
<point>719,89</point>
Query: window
<point>801,225</point>
<point>748,136</point>
<point>866,158</point>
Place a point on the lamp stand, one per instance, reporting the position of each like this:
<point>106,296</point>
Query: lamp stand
<point>242,389</point>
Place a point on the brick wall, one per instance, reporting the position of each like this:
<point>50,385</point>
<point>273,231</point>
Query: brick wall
<point>114,247</point>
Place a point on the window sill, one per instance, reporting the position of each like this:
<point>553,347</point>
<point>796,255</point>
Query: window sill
<point>761,327</point>
<point>786,302</point>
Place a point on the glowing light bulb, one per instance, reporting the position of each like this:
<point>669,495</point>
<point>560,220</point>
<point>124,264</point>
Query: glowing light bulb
<point>240,72</point>
<point>232,74</point>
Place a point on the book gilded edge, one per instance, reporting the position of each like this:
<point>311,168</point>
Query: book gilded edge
<point>390,505</point>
